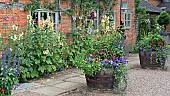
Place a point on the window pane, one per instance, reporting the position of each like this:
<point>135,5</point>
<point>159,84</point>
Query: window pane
<point>128,17</point>
<point>124,5</point>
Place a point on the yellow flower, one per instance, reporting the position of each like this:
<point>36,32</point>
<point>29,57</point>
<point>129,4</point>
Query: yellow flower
<point>61,43</point>
<point>41,24</point>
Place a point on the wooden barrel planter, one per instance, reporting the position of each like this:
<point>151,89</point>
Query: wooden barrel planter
<point>102,80</point>
<point>148,59</point>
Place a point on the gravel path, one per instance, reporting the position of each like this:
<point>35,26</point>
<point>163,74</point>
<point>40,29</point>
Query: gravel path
<point>142,82</point>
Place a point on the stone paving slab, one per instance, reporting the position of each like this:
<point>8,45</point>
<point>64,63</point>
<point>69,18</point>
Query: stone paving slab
<point>49,91</point>
<point>79,79</point>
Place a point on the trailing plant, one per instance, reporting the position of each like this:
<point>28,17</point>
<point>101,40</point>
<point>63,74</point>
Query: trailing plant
<point>9,70</point>
<point>40,49</point>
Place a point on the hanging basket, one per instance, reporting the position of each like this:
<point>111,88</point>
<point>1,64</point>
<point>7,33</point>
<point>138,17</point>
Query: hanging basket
<point>148,59</point>
<point>102,80</point>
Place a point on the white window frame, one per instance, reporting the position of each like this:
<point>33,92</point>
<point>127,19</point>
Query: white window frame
<point>126,20</point>
<point>57,13</point>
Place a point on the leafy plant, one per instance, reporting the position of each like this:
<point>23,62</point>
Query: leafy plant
<point>163,19</point>
<point>40,49</point>
<point>9,70</point>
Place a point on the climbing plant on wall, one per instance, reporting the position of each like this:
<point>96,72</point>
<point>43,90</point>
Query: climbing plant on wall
<point>142,20</point>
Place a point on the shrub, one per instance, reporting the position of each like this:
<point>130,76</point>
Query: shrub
<point>40,49</point>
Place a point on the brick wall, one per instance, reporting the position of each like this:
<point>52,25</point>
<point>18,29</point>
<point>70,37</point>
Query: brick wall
<point>130,33</point>
<point>21,15</point>
<point>154,2</point>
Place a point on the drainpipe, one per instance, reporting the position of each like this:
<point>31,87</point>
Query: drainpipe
<point>120,12</point>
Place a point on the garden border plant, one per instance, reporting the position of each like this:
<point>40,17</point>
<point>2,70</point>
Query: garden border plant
<point>9,71</point>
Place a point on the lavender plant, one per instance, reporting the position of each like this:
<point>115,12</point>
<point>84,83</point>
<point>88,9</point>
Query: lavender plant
<point>9,71</point>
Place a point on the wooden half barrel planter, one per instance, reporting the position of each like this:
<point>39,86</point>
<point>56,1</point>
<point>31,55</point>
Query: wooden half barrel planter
<point>102,80</point>
<point>149,59</point>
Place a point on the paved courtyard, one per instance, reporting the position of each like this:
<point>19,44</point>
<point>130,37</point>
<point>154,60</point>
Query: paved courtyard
<point>71,82</point>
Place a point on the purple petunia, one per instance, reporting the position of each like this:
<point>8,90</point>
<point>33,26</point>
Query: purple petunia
<point>140,49</point>
<point>116,65</point>
<point>102,62</point>
<point>107,61</point>
<point>150,49</point>
<point>91,60</point>
<point>124,62</point>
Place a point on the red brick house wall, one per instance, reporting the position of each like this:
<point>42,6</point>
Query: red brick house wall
<point>21,17</point>
<point>154,2</point>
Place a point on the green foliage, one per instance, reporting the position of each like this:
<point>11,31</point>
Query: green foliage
<point>163,18</point>
<point>40,49</point>
<point>9,69</point>
<point>35,4</point>
<point>142,19</point>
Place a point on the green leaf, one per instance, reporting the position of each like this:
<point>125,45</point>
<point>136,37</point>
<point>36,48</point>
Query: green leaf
<point>48,61</point>
<point>49,68</point>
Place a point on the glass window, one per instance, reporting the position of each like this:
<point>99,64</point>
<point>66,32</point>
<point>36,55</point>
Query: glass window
<point>124,5</point>
<point>127,20</point>
<point>112,20</point>
<point>43,14</point>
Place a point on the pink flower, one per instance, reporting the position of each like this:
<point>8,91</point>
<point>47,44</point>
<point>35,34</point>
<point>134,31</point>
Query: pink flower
<point>7,2</point>
<point>1,56</point>
<point>82,36</point>
<point>58,25</point>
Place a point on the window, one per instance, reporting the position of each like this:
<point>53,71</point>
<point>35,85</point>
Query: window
<point>112,20</point>
<point>42,14</point>
<point>15,0</point>
<point>95,19</point>
<point>124,5</point>
<point>127,20</point>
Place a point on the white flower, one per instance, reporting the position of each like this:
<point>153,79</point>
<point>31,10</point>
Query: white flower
<point>45,52</point>
<point>29,17</point>
<point>14,27</point>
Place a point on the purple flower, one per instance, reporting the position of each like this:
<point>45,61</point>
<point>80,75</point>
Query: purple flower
<point>91,60</point>
<point>102,62</point>
<point>150,49</point>
<point>140,49</point>
<point>13,18</point>
<point>106,64</point>
<point>145,44</point>
<point>125,58</point>
<point>14,60</point>
<point>107,61</point>
<point>6,18</point>
<point>91,55</point>
<point>124,62</point>
<point>114,59</point>
<point>115,65</point>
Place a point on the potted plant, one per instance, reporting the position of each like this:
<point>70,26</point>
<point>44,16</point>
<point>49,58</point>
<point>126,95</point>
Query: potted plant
<point>104,62</point>
<point>153,51</point>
